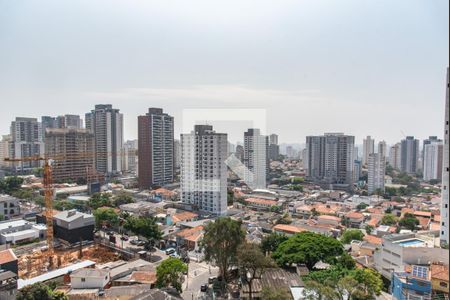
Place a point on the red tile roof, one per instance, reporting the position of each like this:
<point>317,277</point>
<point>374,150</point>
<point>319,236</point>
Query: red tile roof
<point>439,272</point>
<point>355,215</point>
<point>184,216</point>
<point>373,239</point>
<point>7,256</point>
<point>288,228</point>
<point>261,201</point>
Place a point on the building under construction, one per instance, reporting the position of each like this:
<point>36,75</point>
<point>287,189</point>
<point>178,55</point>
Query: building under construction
<point>76,146</point>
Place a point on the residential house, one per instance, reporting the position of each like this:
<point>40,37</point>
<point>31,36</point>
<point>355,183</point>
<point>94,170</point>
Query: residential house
<point>88,278</point>
<point>355,219</point>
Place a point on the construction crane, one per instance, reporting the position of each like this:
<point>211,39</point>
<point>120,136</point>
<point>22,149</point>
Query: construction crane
<point>48,194</point>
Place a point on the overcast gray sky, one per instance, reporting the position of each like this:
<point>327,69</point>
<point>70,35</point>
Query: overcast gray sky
<point>355,66</point>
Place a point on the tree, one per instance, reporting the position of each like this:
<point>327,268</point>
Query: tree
<point>409,221</point>
<point>370,281</point>
<point>144,226</point>
<point>352,234</point>
<point>318,291</point>
<point>389,219</point>
<point>307,248</point>
<point>271,242</point>
<point>106,215</point>
<point>221,241</point>
<point>362,206</point>
<point>39,291</point>
<point>170,273</point>
<point>285,219</point>
<point>123,198</point>
<point>274,294</point>
<point>252,262</point>
<point>99,199</point>
<point>369,229</point>
<point>63,205</point>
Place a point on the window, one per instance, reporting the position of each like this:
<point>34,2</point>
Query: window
<point>83,279</point>
<point>443,284</point>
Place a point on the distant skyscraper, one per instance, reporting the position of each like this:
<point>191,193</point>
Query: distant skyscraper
<point>72,121</point>
<point>357,170</point>
<point>156,148</point>
<point>107,125</point>
<point>395,156</point>
<point>130,156</point>
<point>432,160</point>
<point>445,172</point>
<point>240,153</point>
<point>203,169</point>
<point>376,171</point>
<point>368,148</point>
<point>274,148</point>
<point>76,147</point>
<point>427,141</point>
<point>26,140</point>
<point>4,150</point>
<point>255,158</point>
<point>177,153</point>
<point>382,148</point>
<point>330,158</point>
<point>409,155</point>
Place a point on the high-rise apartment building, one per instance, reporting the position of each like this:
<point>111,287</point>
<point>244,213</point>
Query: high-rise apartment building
<point>239,153</point>
<point>395,156</point>
<point>203,169</point>
<point>330,159</point>
<point>274,148</point>
<point>255,158</point>
<point>72,150</point>
<point>409,155</point>
<point>382,148</point>
<point>130,156</point>
<point>156,149</point>
<point>432,160</point>
<point>357,170</point>
<point>26,141</point>
<point>376,171</point>
<point>4,150</point>
<point>106,123</point>
<point>445,172</point>
<point>368,148</point>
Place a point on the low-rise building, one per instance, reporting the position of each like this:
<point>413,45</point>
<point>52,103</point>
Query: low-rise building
<point>287,229</point>
<point>412,285</point>
<point>328,220</point>
<point>19,231</point>
<point>440,278</point>
<point>74,226</point>
<point>189,237</point>
<point>8,285</point>
<point>259,203</point>
<point>9,206</point>
<point>355,219</point>
<point>8,261</point>
<point>88,278</point>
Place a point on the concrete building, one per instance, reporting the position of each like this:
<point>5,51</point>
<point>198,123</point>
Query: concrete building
<point>329,158</point>
<point>240,153</point>
<point>368,148</point>
<point>73,153</point>
<point>409,155</point>
<point>107,125</point>
<point>400,250</point>
<point>8,285</point>
<point>9,261</point>
<point>432,160</point>
<point>412,285</point>
<point>203,169</point>
<point>130,156</point>
<point>9,206</point>
<point>255,158</point>
<point>376,172</point>
<point>156,149</point>
<point>88,278</point>
<point>395,156</point>
<point>382,148</point>
<point>26,141</point>
<point>18,230</point>
<point>274,148</point>
<point>73,226</point>
<point>445,172</point>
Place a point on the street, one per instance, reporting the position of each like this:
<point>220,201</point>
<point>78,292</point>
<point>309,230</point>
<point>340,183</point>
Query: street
<point>198,274</point>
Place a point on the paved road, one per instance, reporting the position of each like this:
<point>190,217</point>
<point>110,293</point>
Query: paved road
<point>198,274</point>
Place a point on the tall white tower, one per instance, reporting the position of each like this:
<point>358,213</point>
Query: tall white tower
<point>368,148</point>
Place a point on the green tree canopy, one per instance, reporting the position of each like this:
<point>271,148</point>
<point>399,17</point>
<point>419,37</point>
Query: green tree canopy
<point>122,198</point>
<point>252,262</point>
<point>389,219</point>
<point>308,248</point>
<point>409,221</point>
<point>271,242</point>
<point>99,200</point>
<point>170,273</point>
<point>362,206</point>
<point>143,226</point>
<point>221,241</point>
<point>39,291</point>
<point>106,215</point>
<point>352,234</point>
<point>10,184</point>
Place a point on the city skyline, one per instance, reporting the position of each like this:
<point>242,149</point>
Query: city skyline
<point>266,55</point>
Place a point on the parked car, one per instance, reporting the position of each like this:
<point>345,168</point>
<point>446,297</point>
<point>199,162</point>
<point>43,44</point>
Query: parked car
<point>124,238</point>
<point>203,287</point>
<point>212,279</point>
<point>170,251</point>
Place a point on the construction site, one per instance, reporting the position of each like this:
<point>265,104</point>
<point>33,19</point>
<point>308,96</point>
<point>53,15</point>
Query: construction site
<point>39,262</point>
